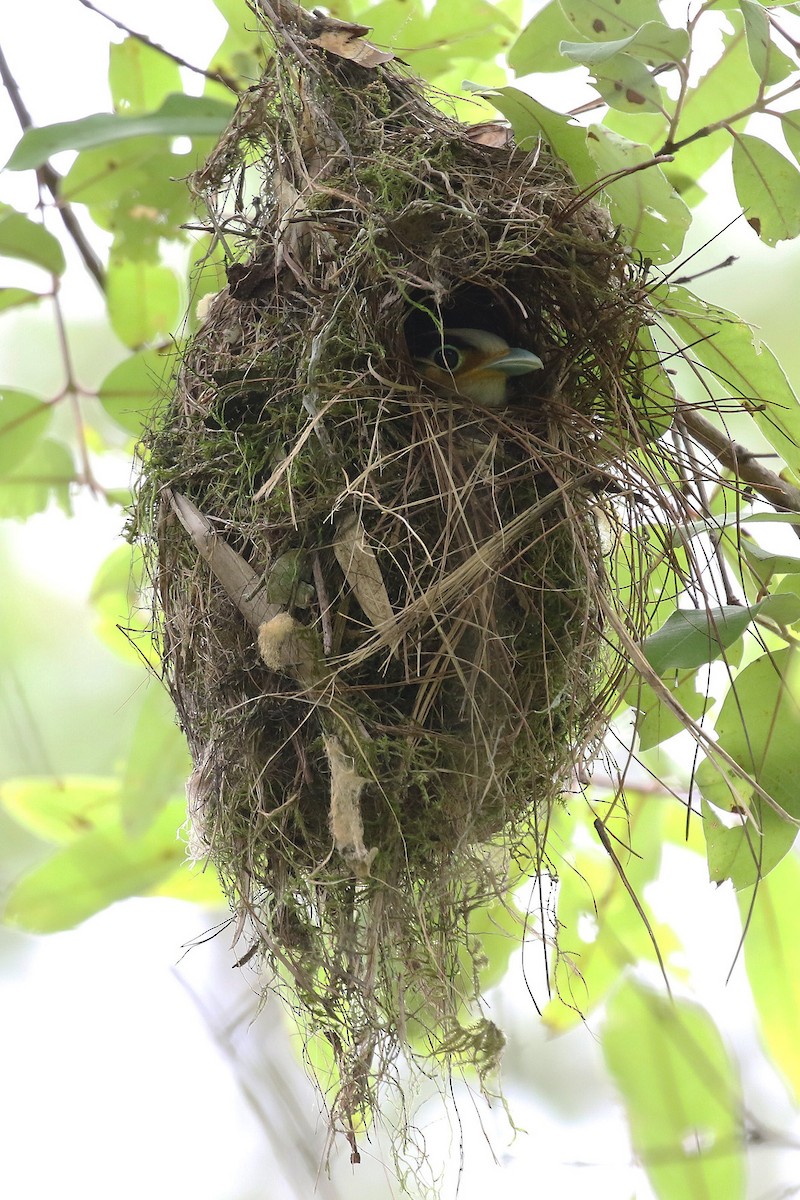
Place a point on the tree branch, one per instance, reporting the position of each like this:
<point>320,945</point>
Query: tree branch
<point>48,177</point>
<point>742,462</point>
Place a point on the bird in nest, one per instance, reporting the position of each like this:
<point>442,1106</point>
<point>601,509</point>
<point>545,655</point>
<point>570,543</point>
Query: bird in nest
<point>473,363</point>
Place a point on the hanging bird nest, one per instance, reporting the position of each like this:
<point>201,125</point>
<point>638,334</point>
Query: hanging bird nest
<point>379,604</point>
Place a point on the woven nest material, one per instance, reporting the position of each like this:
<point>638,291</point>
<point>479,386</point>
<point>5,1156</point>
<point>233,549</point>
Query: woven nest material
<point>378,605</point>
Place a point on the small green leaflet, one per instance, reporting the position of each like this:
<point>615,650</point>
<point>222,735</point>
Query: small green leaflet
<point>653,43</point>
<point>771,64</point>
<point>691,637</point>
<point>178,116</point>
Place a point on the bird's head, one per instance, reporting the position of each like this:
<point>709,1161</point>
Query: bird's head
<point>474,363</point>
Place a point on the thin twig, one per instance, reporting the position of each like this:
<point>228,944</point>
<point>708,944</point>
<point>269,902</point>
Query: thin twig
<point>214,76</point>
<point>48,177</point>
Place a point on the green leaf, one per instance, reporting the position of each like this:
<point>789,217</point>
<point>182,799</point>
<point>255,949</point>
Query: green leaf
<point>768,189</point>
<point>759,727</point>
<point>601,19</point>
<point>643,202</point>
<point>772,958</point>
<point>14,297</point>
<point>26,240</point>
<point>144,301</point>
<point>741,367</point>
<point>532,121</point>
<point>94,871</point>
<point>23,420</point>
<point>158,763</point>
<point>656,721</point>
<point>691,637</point>
<point>139,77</point>
<point>626,84</point>
<point>178,116</point>
<point>47,473</point>
<point>790,124</point>
<point>749,849</point>
<point>653,43</point>
<point>130,391</point>
<point>766,563</point>
<point>771,64</point>
<point>59,810</point>
<point>681,1093</point>
<point>538,46</point>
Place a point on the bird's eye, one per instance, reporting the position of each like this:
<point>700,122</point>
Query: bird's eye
<point>447,357</point>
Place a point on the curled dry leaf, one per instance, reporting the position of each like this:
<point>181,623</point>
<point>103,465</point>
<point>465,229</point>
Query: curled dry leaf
<point>347,41</point>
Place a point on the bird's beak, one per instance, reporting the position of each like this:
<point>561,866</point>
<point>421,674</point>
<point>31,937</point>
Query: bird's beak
<point>517,362</point>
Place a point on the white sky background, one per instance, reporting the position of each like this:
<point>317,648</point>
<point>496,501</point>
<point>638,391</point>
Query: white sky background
<point>113,1078</point>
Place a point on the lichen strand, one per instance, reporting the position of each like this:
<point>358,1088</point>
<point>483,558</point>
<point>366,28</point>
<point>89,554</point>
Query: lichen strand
<point>297,416</point>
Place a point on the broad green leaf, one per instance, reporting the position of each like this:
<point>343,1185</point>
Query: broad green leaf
<point>759,727</point>
<point>653,43</point>
<point>131,390</point>
<point>531,121</point>
<point>59,810</point>
<point>601,930</point>
<point>643,202</point>
<point>537,47</point>
<point>14,297</point>
<point>23,420</point>
<point>178,116</point>
<point>625,83</point>
<point>26,240</point>
<point>768,189</point>
<point>144,301</point>
<point>46,474</point>
<point>740,368</point>
<point>691,637</point>
<point>158,762</point>
<point>772,958</point>
<point>771,64</point>
<point>750,848</point>
<point>94,871</point>
<point>681,1093</point>
<point>139,77</point>
<point>600,19</point>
